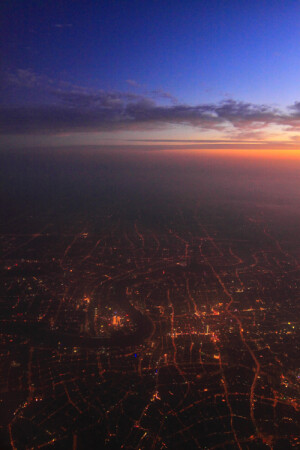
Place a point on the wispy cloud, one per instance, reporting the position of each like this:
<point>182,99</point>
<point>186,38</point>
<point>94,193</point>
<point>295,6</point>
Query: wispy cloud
<point>63,25</point>
<point>133,83</point>
<point>160,93</point>
<point>26,78</point>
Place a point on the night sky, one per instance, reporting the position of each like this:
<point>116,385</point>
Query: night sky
<point>221,74</point>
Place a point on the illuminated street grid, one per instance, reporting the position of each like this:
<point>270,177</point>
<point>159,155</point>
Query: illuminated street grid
<point>128,335</point>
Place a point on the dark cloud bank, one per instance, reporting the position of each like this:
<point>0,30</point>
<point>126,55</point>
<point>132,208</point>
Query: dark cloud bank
<point>70,108</point>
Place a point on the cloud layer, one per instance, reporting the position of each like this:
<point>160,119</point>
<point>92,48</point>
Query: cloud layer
<point>71,108</point>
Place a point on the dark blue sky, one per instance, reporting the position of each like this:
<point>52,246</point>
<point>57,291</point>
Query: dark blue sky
<point>169,54</point>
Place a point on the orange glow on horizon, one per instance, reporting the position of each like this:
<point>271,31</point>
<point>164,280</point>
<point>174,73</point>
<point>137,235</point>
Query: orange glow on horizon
<point>285,154</point>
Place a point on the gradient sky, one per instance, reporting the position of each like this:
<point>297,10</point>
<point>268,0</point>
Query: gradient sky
<point>133,72</point>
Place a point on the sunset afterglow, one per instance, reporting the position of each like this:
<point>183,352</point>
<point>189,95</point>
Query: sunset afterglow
<point>149,241</point>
